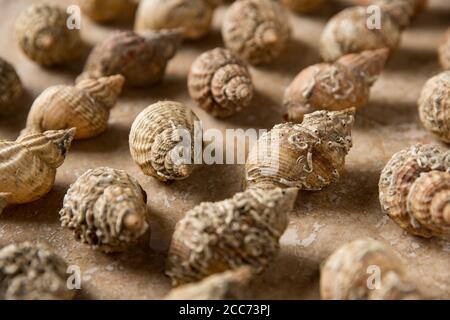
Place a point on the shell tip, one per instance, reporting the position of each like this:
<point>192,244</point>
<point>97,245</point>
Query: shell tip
<point>133,221</point>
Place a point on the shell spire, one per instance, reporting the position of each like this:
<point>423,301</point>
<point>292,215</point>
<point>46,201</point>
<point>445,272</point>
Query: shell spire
<point>105,90</point>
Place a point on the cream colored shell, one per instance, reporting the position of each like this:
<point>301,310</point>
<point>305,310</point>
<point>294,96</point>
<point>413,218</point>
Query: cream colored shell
<point>10,86</point>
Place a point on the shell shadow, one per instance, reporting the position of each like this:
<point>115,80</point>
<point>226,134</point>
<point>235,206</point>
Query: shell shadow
<point>14,121</point>
<point>387,113</point>
<point>212,40</point>
<point>403,59</point>
<point>432,18</point>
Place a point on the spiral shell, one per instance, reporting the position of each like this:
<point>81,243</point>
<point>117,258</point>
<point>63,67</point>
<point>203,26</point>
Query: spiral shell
<point>338,86</point>
<point>347,32</point>
<point>308,156</point>
<point>28,165</point>
<point>434,105</point>
<point>141,60</point>
<point>192,16</point>
<point>243,230</point>
<point>415,190</point>
<point>158,136</point>
<point>444,51</point>
<point>303,6</point>
<point>32,272</point>
<point>44,37</point>
<point>220,83</point>
<point>10,86</point>
<point>106,209</point>
<point>256,30</point>
<point>345,274</point>
<point>107,10</point>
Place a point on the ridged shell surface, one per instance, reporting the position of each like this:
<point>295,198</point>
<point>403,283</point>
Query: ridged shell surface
<point>10,86</point>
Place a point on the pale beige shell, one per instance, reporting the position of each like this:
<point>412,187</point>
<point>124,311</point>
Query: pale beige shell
<point>106,209</point>
<point>304,6</point>
<point>309,156</point>
<point>434,105</point>
<point>256,30</point>
<point>32,272</point>
<point>10,86</point>
<point>414,190</point>
<point>158,136</point>
<point>345,274</point>
<point>107,10</point>
<point>242,230</point>
<point>44,37</point>
<point>338,86</point>
<point>192,16</point>
<point>28,165</point>
<point>347,32</point>
<point>444,51</point>
<point>220,83</point>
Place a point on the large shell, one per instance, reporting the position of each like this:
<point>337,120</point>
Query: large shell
<point>10,86</point>
<point>434,105</point>
<point>309,156</point>
<point>338,86</point>
<point>345,275</point>
<point>347,32</point>
<point>256,30</point>
<point>106,209</point>
<point>162,140</point>
<point>220,82</point>
<point>44,37</point>
<point>107,10</point>
<point>141,60</point>
<point>303,6</point>
<point>28,165</point>
<point>32,272</point>
<point>444,51</point>
<point>415,190</point>
<point>85,106</point>
<point>242,230</point>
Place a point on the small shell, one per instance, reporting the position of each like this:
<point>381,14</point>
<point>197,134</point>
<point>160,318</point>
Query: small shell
<point>158,140</point>
<point>347,32</point>
<point>141,60</point>
<point>415,190</point>
<point>256,30</point>
<point>220,236</point>
<point>107,10</point>
<point>444,51</point>
<point>44,37</point>
<point>434,105</point>
<point>309,156</point>
<point>28,165</point>
<point>106,209</point>
<point>303,6</point>
<point>338,86</point>
<point>220,83</point>
<point>345,275</point>
<point>32,272</point>
<point>192,16</point>
<point>10,86</point>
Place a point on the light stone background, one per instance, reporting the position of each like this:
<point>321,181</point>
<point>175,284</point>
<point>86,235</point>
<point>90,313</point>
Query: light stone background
<point>321,221</point>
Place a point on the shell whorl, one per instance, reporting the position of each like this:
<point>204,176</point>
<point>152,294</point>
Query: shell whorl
<point>104,90</point>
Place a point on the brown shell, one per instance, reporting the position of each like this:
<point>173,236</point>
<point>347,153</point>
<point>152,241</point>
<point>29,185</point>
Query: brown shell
<point>106,209</point>
<point>85,106</point>
<point>344,275</point>
<point>107,10</point>
<point>414,190</point>
<point>44,37</point>
<point>141,60</point>
<point>10,86</point>
<point>156,137</point>
<point>28,165</point>
<point>338,86</point>
<point>347,32</point>
<point>309,156</point>
<point>220,83</point>
<point>434,105</point>
<point>32,272</point>
<point>304,6</point>
<point>192,16</point>
<point>220,236</point>
<point>444,51</point>
<point>256,30</point>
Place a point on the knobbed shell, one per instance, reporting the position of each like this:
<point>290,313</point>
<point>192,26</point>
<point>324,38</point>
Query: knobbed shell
<point>338,86</point>
<point>309,156</point>
<point>241,231</point>
<point>346,273</point>
<point>220,82</point>
<point>32,272</point>
<point>106,209</point>
<point>303,6</point>
<point>162,140</point>
<point>44,37</point>
<point>85,106</point>
<point>142,60</point>
<point>107,10</point>
<point>28,165</point>
<point>192,16</point>
<point>415,190</point>
<point>434,105</point>
<point>256,30</point>
<point>444,51</point>
<point>10,86</point>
